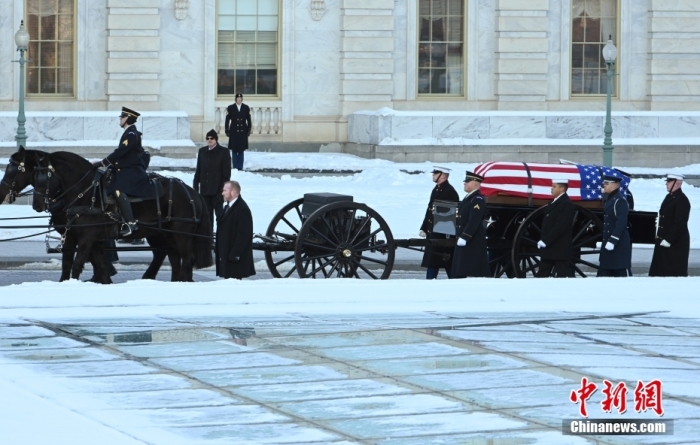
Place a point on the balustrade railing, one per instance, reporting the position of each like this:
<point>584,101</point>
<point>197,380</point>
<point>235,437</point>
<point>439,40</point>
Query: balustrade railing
<point>266,120</point>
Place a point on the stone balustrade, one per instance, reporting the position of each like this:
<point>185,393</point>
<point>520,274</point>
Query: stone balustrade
<point>266,119</point>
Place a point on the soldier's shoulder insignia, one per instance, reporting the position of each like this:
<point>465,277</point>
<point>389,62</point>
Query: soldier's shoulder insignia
<point>477,207</point>
<point>126,142</point>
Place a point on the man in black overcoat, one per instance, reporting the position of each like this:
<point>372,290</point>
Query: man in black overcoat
<point>129,177</point>
<point>470,257</point>
<point>616,252</point>
<point>234,235</point>
<point>672,236</point>
<point>436,258</point>
<point>213,170</point>
<point>238,125</point>
<point>556,247</point>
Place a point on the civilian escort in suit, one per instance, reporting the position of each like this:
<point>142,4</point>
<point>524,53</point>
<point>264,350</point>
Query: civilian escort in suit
<point>672,237</point>
<point>213,170</point>
<point>616,252</point>
<point>238,125</point>
<point>470,254</point>
<point>556,247</point>
<point>434,257</point>
<point>129,177</point>
<point>234,235</point>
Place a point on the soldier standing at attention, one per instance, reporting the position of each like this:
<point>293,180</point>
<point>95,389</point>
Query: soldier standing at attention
<point>238,126</point>
<point>434,257</point>
<point>616,253</point>
<point>556,247</point>
<point>672,237</point>
<point>470,258</point>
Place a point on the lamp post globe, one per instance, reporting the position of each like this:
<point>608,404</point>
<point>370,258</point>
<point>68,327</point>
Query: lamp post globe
<point>22,42</point>
<point>610,55</point>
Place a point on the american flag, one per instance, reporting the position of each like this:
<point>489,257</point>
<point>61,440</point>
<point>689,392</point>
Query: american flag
<point>511,179</point>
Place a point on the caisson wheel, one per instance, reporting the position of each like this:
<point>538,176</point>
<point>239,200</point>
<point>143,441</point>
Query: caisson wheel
<point>284,228</point>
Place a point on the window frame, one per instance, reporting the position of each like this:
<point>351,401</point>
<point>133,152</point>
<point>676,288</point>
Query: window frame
<point>74,61</point>
<point>443,96</point>
<point>278,59</point>
<point>618,44</point>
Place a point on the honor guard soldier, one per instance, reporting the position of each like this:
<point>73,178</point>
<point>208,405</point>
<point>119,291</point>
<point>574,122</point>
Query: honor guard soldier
<point>616,251</point>
<point>672,246</point>
<point>436,258</point>
<point>237,126</point>
<point>128,163</point>
<point>556,247</point>
<point>470,258</point>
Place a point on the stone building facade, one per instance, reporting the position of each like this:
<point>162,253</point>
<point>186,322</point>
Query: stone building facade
<point>305,66</point>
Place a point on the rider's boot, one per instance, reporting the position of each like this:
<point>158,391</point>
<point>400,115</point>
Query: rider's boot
<point>129,225</point>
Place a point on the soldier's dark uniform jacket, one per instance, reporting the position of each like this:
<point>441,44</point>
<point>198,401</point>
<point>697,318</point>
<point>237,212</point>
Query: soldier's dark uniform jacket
<point>471,260</point>
<point>673,227</point>
<point>433,256</point>
<point>556,229</point>
<point>615,231</point>
<point>128,166</point>
<point>238,125</point>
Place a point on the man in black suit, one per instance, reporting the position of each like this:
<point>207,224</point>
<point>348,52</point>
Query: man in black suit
<point>556,247</point>
<point>434,258</point>
<point>672,236</point>
<point>213,170</point>
<point>470,258</point>
<point>616,253</point>
<point>234,235</point>
<point>238,126</point>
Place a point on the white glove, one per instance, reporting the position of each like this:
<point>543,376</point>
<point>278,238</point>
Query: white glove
<point>541,244</point>
<point>421,234</point>
<point>609,246</point>
<point>664,243</point>
<point>461,242</point>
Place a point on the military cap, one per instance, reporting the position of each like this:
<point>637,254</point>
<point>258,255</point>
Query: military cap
<point>438,169</point>
<point>126,112</point>
<point>239,95</point>
<point>612,178</point>
<point>674,177</point>
<point>471,176</point>
<point>560,181</point>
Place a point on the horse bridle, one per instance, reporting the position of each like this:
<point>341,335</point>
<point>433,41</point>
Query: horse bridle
<point>20,168</point>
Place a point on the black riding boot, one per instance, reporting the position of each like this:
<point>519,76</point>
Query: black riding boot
<point>127,214</point>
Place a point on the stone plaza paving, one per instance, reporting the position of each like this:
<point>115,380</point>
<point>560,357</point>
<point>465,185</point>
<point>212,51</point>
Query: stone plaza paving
<point>389,379</point>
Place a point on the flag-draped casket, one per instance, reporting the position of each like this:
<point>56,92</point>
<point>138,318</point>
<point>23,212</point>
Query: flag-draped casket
<point>529,180</point>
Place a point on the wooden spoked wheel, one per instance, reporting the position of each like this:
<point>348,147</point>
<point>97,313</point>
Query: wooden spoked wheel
<point>345,240</point>
<point>284,227</point>
<point>587,230</point>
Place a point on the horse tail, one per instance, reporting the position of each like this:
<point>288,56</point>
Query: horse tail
<point>203,242</point>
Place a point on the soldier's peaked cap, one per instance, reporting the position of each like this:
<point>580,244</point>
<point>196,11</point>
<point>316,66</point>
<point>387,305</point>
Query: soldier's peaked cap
<point>612,178</point>
<point>239,95</point>
<point>674,176</point>
<point>126,112</point>
<point>438,169</point>
<point>560,181</point>
<point>471,176</point>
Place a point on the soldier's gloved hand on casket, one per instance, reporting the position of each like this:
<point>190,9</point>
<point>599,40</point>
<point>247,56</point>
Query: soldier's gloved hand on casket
<point>609,246</point>
<point>664,243</point>
<point>541,244</point>
<point>461,242</point>
<point>421,234</point>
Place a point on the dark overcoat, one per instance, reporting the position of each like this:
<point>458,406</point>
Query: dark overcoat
<point>673,227</point>
<point>557,226</point>
<point>471,260</point>
<point>128,170</point>
<point>213,170</point>
<point>234,242</point>
<point>238,126</point>
<point>615,231</point>
<point>434,256</point>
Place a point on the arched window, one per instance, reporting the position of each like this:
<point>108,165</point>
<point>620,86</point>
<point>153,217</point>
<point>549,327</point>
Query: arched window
<point>593,23</point>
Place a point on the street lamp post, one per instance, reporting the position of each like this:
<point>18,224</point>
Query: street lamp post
<point>22,41</point>
<point>609,54</point>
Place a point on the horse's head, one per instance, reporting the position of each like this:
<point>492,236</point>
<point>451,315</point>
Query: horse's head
<point>18,175</point>
<point>47,184</point>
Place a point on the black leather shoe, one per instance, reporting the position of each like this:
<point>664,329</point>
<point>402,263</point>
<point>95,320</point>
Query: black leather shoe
<point>138,241</point>
<point>128,229</point>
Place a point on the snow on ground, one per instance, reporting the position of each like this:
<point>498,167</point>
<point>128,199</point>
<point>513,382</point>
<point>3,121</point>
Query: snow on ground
<point>400,198</point>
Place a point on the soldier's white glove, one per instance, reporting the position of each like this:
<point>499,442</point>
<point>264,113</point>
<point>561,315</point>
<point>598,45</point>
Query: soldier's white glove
<point>541,244</point>
<point>421,234</point>
<point>609,246</point>
<point>664,243</point>
<point>461,242</point>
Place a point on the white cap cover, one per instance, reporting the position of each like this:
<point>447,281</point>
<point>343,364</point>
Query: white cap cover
<point>438,169</point>
<point>560,181</point>
<point>672,176</point>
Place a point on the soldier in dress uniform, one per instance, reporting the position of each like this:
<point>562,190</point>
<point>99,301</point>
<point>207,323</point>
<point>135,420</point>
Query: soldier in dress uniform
<point>237,126</point>
<point>556,247</point>
<point>470,257</point>
<point>616,251</point>
<point>672,236</point>
<point>129,177</point>
<point>436,258</point>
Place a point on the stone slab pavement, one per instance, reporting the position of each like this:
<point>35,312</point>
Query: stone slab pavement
<point>384,379</point>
